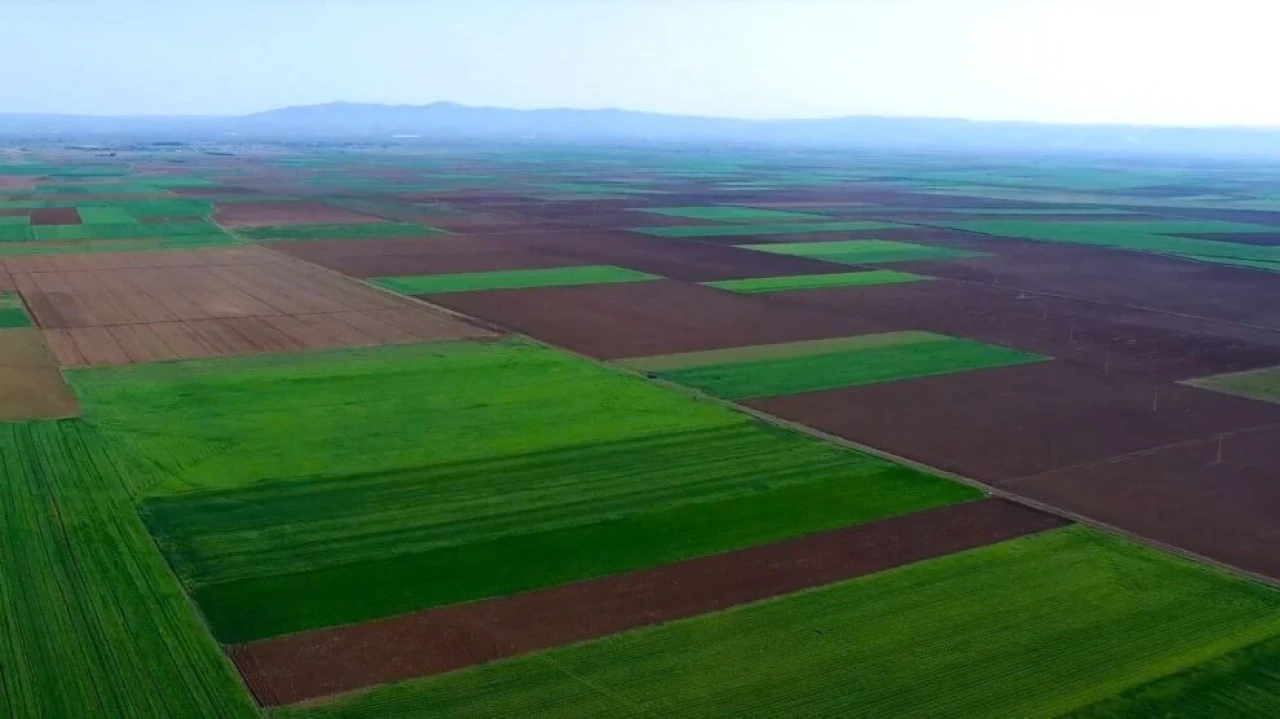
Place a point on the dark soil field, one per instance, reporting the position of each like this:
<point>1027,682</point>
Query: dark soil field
<point>998,425</point>
<point>651,318</point>
<point>305,666</point>
<point>55,216</point>
<point>264,214</point>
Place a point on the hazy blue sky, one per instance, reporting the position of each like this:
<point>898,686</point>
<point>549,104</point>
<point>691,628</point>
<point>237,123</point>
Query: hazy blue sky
<point>1142,61</point>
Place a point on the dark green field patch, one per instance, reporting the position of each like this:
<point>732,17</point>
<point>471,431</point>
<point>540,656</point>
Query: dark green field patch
<point>618,511</point>
<point>858,252</point>
<point>511,279</point>
<point>788,228</point>
<point>357,231</point>
<point>781,350</point>
<point>405,475</point>
<point>761,285</point>
<point>928,356</point>
<point>1034,627</point>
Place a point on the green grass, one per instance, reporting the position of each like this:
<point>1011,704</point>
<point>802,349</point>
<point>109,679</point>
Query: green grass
<point>760,285</point>
<point>1034,627</point>
<point>781,350</point>
<point>1261,384</point>
<point>404,474</point>
<point>106,216</point>
<point>1245,682</point>
<point>603,516</point>
<point>511,279</point>
<point>92,622</point>
<point>730,213</point>
<point>787,228</point>
<point>12,312</point>
<point>356,231</point>
<point>857,252</point>
<point>1114,235</point>
<point>123,231</point>
<point>229,422</point>
<point>928,356</point>
<point>179,242</point>
<point>15,232</point>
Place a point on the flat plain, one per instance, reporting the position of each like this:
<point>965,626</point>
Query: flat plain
<point>423,430</point>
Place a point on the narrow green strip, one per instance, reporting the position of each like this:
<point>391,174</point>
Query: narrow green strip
<point>511,279</point>
<point>783,350</point>
<point>857,252</point>
<point>760,285</point>
<point>768,229</point>
<point>848,368</point>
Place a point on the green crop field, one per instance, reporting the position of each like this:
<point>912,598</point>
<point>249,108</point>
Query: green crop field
<point>926,356</point>
<point>12,312</point>
<point>730,213</point>
<point>1032,627</point>
<point>433,481</point>
<point>106,216</point>
<point>511,279</point>
<point>1245,682</point>
<point>771,228</point>
<point>857,252</point>
<point>354,231</point>
<point>762,285</point>
<point>781,350</point>
<point>1117,236</point>
<point>1262,384</point>
<point>92,622</point>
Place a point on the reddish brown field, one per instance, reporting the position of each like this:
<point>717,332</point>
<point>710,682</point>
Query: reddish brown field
<point>314,664</point>
<point>639,319</point>
<point>1107,276</point>
<point>286,212</point>
<point>1219,504</point>
<point>439,255</point>
<point>1151,344</point>
<point>55,216</point>
<point>18,182</point>
<point>250,301</point>
<point>671,258</point>
<point>996,425</point>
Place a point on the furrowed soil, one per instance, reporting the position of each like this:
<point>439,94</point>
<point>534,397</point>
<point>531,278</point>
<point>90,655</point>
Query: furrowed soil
<point>104,310</point>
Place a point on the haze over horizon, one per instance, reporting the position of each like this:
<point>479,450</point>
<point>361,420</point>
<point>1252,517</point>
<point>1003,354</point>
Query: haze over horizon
<point>1069,61</point>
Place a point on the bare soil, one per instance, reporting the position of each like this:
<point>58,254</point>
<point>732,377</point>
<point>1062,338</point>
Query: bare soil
<point>215,302</point>
<point>638,319</point>
<point>998,425</point>
<point>1218,501</point>
<point>55,216</point>
<point>314,664</point>
<point>286,212</point>
<point>31,386</point>
<point>1151,344</point>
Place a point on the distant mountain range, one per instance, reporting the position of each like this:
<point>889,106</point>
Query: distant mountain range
<point>451,121</point>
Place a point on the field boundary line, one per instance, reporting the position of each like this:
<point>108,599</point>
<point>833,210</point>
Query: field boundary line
<point>989,489</point>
